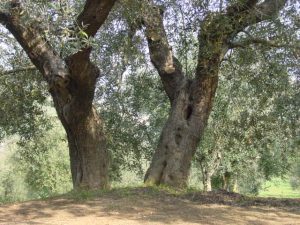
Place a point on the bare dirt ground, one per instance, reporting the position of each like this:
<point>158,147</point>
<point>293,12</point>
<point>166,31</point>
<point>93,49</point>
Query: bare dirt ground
<point>143,206</point>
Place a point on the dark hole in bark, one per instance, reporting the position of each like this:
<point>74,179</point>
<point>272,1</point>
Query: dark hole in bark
<point>167,147</point>
<point>189,111</point>
<point>164,163</point>
<point>171,177</point>
<point>178,138</point>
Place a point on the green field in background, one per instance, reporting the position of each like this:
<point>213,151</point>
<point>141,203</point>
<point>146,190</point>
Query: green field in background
<point>279,188</point>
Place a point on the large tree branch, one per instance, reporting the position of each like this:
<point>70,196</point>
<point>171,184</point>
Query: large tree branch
<point>94,14</point>
<point>32,40</point>
<point>268,9</point>
<point>89,20</point>
<point>264,11</point>
<point>219,29</point>
<point>161,54</point>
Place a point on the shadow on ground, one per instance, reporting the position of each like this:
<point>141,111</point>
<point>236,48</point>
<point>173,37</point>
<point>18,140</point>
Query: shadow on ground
<point>145,206</point>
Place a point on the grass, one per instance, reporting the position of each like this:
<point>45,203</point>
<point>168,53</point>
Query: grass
<point>124,192</point>
<point>167,194</point>
<point>279,188</point>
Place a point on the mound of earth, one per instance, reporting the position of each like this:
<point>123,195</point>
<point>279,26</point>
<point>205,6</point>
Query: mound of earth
<point>149,206</point>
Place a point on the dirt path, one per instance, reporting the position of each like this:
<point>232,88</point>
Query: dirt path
<point>145,210</point>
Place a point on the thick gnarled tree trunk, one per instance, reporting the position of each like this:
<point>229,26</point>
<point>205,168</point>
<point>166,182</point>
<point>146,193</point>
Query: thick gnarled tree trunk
<point>89,158</point>
<point>72,85</point>
<point>181,134</point>
<point>88,153</point>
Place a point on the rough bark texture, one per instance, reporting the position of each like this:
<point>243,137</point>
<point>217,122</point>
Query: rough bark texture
<point>192,100</point>
<point>89,158</point>
<point>181,134</point>
<point>71,84</point>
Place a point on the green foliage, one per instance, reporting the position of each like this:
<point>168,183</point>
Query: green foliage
<point>36,168</point>
<point>127,97</point>
<point>133,115</point>
<point>12,185</point>
<point>254,127</point>
<point>44,160</point>
<point>21,97</point>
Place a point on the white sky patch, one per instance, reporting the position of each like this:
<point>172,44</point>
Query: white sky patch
<point>6,50</point>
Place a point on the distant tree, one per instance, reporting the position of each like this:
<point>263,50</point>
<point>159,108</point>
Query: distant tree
<point>295,176</point>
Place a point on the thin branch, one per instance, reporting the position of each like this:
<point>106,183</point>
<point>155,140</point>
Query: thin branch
<point>19,70</point>
<point>258,41</point>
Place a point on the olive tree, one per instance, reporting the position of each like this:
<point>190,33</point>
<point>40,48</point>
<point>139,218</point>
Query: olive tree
<point>71,78</point>
<point>191,95</point>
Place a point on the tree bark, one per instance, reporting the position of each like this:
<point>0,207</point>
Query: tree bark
<point>191,100</point>
<point>226,181</point>
<point>208,167</point>
<point>207,182</point>
<point>89,157</point>
<point>88,153</point>
<point>235,186</point>
<point>72,85</point>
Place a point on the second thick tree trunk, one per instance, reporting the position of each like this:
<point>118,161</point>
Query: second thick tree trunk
<point>182,132</point>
